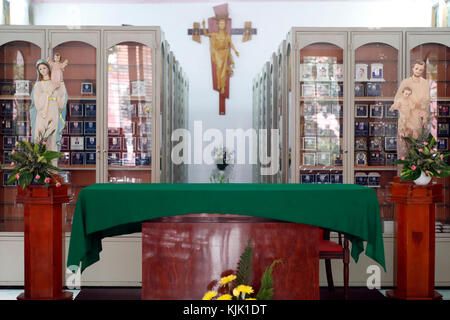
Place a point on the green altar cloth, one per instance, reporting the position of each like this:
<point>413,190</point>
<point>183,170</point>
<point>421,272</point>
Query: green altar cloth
<point>105,210</point>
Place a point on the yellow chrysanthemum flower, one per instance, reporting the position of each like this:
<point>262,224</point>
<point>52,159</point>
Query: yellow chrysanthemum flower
<point>227,279</point>
<point>209,295</point>
<point>236,292</point>
<point>245,289</point>
<point>224,297</point>
<point>250,299</point>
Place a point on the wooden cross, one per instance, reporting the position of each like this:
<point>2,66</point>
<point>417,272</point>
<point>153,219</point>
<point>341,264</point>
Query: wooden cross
<point>221,13</point>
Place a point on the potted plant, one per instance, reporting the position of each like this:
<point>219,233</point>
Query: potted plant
<point>223,157</point>
<point>424,160</point>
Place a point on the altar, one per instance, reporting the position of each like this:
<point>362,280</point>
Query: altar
<point>105,210</point>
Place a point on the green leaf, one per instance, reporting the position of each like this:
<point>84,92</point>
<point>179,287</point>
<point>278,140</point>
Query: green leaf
<point>244,272</point>
<point>266,290</point>
<point>25,179</point>
<point>50,155</point>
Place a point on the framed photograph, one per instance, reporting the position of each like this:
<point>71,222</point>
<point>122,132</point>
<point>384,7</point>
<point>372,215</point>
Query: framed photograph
<point>337,110</point>
<point>361,72</point>
<point>138,88</point>
<point>9,142</point>
<point>65,159</point>
<point>7,127</point>
<point>361,144</point>
<point>22,138</point>
<point>90,110</point>
<point>359,90</point>
<point>335,144</point>
<point>443,111</point>
<point>143,159</point>
<point>390,158</point>
<point>360,158</point>
<point>90,143</point>
<point>376,129</point>
<point>324,130</point>
<point>22,109</point>
<point>6,88</point>
<point>443,129</point>
<point>128,128</point>
<point>336,178</point>
<point>361,111</point>
<point>309,110</point>
<point>376,111</point>
<point>22,128</point>
<point>145,129</point>
<point>322,178</point>
<point>22,87</point>
<point>76,143</point>
<point>373,179</point>
<point>361,129</point>
<point>323,144</point>
<point>361,178</point>
<point>322,72</point>
<point>376,72</point>
<point>376,158</point>
<point>337,159</point>
<point>310,128</point>
<point>91,158</point>
<point>129,143</point>
<point>376,143</point>
<point>114,143</point>
<point>309,143</point>
<point>335,90</point>
<point>7,157</point>
<point>323,89</point>
<point>75,127</point>
<point>6,176</point>
<point>373,90</point>
<point>129,158</point>
<point>90,128</point>
<point>112,131</point>
<point>390,144</point>
<point>87,88</point>
<point>114,158</point>
<point>144,110</point>
<point>64,143</point>
<point>442,143</point>
<point>309,159</point>
<point>307,178</point>
<point>306,72</point>
<point>128,110</point>
<point>77,158</point>
<point>338,72</point>
<point>7,109</point>
<point>76,110</point>
<point>324,159</point>
<point>390,129</point>
<point>308,90</point>
<point>144,144</point>
<point>390,114</point>
<point>324,109</point>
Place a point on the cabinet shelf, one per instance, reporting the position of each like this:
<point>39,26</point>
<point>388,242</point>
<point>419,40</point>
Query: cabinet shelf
<point>316,168</point>
<point>322,98</point>
<point>130,168</point>
<point>380,168</point>
<point>374,98</point>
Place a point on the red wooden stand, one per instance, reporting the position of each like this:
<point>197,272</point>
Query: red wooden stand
<point>414,248</point>
<point>181,255</point>
<point>44,242</point>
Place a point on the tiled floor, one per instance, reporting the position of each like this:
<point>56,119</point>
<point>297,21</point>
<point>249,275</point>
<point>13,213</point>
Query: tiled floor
<point>11,294</point>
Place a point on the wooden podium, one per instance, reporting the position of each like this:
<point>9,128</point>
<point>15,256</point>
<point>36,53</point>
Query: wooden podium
<point>44,242</point>
<point>414,246</point>
<point>182,255</point>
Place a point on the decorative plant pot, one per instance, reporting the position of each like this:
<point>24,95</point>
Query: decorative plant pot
<point>222,166</point>
<point>423,180</point>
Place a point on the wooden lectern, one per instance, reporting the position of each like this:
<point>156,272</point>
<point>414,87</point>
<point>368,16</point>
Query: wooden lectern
<point>414,245</point>
<point>44,242</point>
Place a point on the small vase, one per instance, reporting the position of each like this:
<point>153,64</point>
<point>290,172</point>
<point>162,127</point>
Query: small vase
<point>423,180</point>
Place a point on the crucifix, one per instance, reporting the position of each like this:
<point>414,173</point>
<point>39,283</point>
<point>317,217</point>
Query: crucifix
<point>219,32</point>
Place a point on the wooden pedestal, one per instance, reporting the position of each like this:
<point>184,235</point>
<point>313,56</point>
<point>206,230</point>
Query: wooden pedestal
<point>414,246</point>
<point>181,255</point>
<point>44,242</point>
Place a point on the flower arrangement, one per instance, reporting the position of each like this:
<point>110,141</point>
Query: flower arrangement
<point>423,157</point>
<point>237,286</point>
<point>223,157</point>
<point>32,161</point>
<point>219,178</point>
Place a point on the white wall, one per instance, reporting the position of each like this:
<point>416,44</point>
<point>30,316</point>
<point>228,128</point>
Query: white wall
<point>272,20</point>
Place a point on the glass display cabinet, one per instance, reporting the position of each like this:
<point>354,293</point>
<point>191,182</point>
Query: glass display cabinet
<point>123,84</point>
<point>434,49</point>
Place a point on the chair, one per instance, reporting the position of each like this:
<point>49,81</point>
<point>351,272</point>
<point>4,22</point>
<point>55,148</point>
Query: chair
<point>331,250</point>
